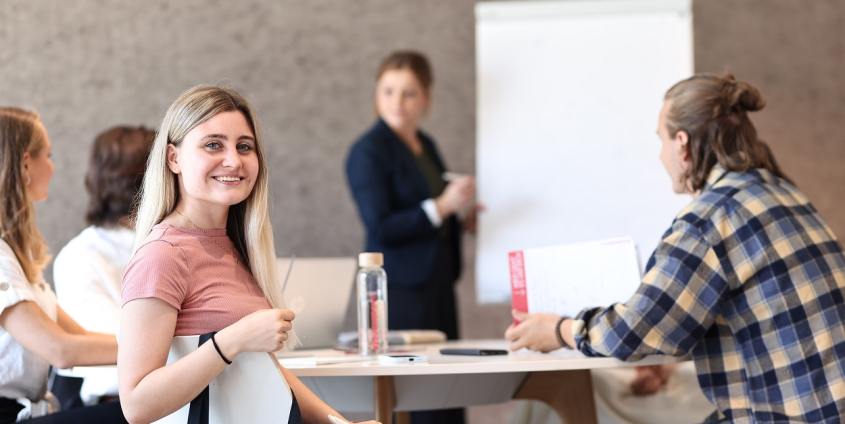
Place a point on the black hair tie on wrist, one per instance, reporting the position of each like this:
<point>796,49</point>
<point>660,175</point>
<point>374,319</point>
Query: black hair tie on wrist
<point>217,348</point>
<point>557,333</point>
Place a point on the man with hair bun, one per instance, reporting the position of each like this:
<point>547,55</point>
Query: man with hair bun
<point>748,280</point>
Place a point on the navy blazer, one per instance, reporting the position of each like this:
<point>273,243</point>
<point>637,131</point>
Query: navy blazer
<point>388,188</point>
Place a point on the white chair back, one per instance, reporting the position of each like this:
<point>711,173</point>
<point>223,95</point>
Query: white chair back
<point>250,390</point>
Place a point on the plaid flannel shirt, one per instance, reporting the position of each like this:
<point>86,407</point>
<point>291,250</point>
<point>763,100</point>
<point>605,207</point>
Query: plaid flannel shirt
<point>749,282</point>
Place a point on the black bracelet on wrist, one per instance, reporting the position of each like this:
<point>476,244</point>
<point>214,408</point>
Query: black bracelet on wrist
<point>217,348</point>
<point>560,336</point>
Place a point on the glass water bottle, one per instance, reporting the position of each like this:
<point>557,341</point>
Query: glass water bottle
<point>372,304</point>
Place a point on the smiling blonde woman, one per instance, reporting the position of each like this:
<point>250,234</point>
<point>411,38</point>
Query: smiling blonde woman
<point>204,262</point>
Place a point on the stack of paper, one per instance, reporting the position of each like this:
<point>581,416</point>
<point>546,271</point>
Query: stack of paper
<point>312,361</point>
<point>568,278</point>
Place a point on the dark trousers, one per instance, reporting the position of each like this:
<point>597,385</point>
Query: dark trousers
<point>431,306</point>
<point>67,391</point>
<point>106,413</point>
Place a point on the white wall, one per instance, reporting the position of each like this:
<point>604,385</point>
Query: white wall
<point>568,98</point>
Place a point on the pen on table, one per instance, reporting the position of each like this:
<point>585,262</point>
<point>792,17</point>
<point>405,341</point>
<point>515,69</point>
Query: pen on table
<point>290,267</point>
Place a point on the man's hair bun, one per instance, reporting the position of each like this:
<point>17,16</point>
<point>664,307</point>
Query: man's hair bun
<point>741,96</point>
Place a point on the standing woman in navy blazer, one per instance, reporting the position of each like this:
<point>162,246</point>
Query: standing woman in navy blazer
<point>395,175</point>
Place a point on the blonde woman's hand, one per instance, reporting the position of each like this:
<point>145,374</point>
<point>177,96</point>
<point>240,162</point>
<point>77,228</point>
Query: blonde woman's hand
<point>265,330</point>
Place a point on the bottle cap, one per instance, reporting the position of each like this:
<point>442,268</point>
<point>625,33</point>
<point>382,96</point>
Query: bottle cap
<point>370,259</point>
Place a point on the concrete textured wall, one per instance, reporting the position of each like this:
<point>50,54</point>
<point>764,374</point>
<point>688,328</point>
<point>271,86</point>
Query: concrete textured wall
<point>794,52</point>
<point>308,68</point>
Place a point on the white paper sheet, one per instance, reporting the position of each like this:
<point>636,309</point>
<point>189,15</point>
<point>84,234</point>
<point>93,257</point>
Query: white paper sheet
<point>567,278</point>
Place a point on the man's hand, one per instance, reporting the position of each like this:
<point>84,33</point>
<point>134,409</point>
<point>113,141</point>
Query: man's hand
<point>534,331</point>
<point>651,378</point>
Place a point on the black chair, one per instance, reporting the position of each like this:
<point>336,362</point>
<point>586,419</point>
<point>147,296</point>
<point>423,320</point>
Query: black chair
<point>67,391</point>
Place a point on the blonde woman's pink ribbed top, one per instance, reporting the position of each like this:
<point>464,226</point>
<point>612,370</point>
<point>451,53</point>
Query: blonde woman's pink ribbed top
<point>186,269</point>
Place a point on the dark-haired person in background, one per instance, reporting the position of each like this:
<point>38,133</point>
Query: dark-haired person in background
<point>749,280</point>
<point>395,175</point>
<point>88,270</point>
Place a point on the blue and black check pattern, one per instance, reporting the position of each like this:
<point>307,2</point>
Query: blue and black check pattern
<point>749,282</point>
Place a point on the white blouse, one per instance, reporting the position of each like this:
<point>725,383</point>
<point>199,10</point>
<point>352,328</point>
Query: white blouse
<point>22,373</point>
<point>87,274</point>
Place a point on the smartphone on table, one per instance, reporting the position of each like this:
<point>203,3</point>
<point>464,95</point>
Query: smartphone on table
<point>473,352</point>
<point>401,358</point>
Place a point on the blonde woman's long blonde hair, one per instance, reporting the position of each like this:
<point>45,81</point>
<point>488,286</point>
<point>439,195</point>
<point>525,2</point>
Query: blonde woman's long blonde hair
<point>21,132</point>
<point>248,223</point>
